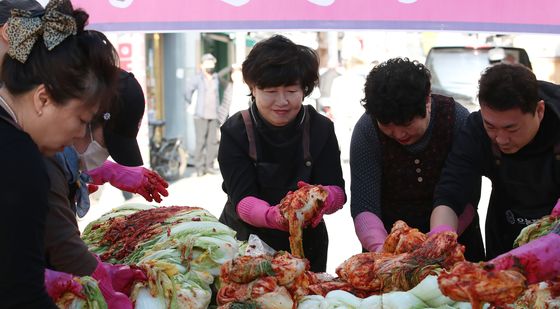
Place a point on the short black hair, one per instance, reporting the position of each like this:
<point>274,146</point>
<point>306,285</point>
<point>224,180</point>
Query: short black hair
<point>396,91</point>
<point>508,86</point>
<point>278,61</point>
<point>83,66</point>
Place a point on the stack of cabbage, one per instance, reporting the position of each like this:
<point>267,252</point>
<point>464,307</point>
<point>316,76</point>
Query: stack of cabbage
<point>181,250</point>
<point>425,295</point>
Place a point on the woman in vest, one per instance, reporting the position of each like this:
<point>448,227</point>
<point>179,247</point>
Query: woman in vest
<point>397,153</point>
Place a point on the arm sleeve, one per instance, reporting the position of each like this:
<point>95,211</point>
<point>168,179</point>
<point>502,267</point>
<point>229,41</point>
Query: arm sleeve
<point>238,171</point>
<point>365,168</point>
<point>23,191</point>
<point>192,85</point>
<point>65,250</point>
<point>460,177</point>
<point>461,115</point>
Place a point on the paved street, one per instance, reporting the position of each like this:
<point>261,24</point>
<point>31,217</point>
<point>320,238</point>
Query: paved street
<point>206,192</point>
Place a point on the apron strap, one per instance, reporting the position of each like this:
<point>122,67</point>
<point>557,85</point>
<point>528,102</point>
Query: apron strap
<point>250,134</point>
<point>251,137</point>
<point>497,154</point>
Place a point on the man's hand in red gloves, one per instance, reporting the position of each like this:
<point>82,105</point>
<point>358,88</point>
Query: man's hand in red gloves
<point>131,179</point>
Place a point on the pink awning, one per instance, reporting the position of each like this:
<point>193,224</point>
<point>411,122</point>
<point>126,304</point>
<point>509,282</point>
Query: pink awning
<point>537,16</point>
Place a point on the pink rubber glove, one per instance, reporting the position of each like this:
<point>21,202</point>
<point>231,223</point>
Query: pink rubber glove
<point>335,200</point>
<point>556,210</point>
<point>131,179</point>
<point>370,231</point>
<point>58,283</point>
<point>260,214</point>
<point>123,277</point>
<point>114,299</point>
<point>464,220</point>
<point>539,259</point>
<point>441,228</point>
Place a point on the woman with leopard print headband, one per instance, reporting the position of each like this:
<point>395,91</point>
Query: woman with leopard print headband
<point>55,77</point>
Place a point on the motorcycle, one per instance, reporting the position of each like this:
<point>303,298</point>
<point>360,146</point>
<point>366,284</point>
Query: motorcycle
<point>167,156</point>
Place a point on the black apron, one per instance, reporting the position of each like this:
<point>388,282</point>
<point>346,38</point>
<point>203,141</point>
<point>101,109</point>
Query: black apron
<point>275,181</point>
<point>526,190</point>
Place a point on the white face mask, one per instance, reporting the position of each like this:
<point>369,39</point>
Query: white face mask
<point>94,156</point>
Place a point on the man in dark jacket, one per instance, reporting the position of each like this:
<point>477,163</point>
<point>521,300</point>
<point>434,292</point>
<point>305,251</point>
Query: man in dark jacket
<point>514,140</point>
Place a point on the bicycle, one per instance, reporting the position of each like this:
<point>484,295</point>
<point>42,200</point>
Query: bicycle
<point>167,156</point>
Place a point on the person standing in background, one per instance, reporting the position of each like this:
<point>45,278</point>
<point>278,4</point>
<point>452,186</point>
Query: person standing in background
<point>236,94</point>
<point>207,84</point>
<point>346,94</point>
<point>325,85</point>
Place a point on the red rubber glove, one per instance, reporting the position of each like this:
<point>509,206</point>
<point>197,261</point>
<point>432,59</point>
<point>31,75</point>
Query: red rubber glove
<point>370,231</point>
<point>114,299</point>
<point>335,200</point>
<point>131,179</point>
<point>538,260</point>
<point>58,283</point>
<point>259,213</point>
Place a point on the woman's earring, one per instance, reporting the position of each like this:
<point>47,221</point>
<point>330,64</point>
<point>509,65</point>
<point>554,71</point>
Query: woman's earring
<point>39,113</point>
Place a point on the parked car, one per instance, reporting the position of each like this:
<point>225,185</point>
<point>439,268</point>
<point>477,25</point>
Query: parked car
<point>456,69</point>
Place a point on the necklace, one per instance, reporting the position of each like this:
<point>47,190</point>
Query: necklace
<point>8,109</point>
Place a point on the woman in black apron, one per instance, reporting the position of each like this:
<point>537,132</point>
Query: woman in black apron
<point>267,149</point>
<point>54,78</point>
